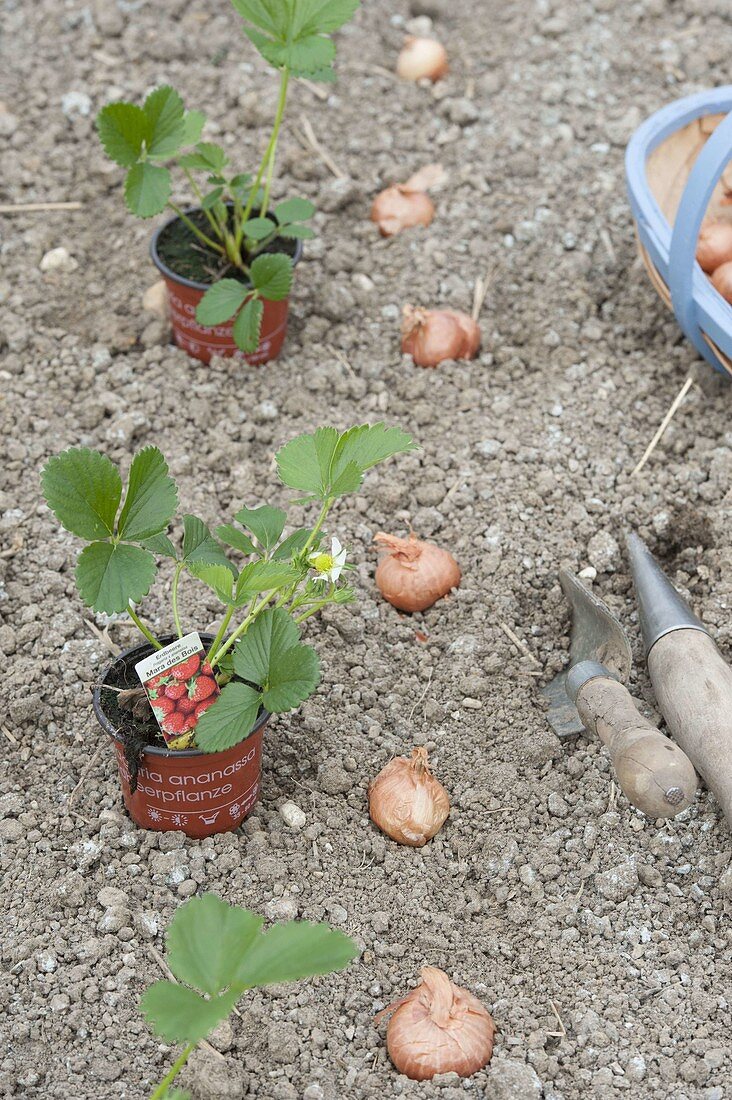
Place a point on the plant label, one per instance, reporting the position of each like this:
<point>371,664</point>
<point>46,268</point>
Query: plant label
<point>180,686</point>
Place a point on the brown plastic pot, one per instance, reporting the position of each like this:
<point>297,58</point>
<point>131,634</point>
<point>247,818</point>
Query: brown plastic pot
<point>202,343</point>
<point>188,791</point>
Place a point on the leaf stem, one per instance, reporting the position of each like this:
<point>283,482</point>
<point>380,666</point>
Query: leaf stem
<point>195,230</point>
<point>212,654</point>
<point>327,504</point>
<point>236,635</point>
<point>176,616</point>
<point>268,154</point>
<point>142,628</point>
<point>199,195</point>
<point>162,1089</point>
<point>273,141</point>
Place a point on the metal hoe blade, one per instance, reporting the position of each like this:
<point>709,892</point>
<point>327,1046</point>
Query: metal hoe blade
<point>596,636</point>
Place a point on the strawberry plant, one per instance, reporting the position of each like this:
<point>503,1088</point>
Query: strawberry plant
<point>217,952</point>
<point>242,233</point>
<point>268,582</point>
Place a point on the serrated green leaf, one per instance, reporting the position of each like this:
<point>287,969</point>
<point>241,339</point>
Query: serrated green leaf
<point>248,326</point>
<point>83,490</point>
<point>109,576</point>
<point>292,546</point>
<point>221,301</point>
<point>322,16</point>
<point>205,936</point>
<point>193,123</point>
<point>265,523</point>
<point>348,480</point>
<point>232,536</point>
<point>230,720</point>
<point>273,631</point>
<point>258,228</point>
<point>211,199</point>
<point>217,577</point>
<point>304,463</point>
<point>296,232</point>
<point>293,210</point>
<point>263,576</point>
<point>147,189</point>
<point>165,112</point>
<point>207,156</point>
<point>270,16</point>
<point>293,677</point>
<point>294,950</point>
<point>181,1015</point>
<point>151,497</point>
<point>199,545</point>
<point>122,129</point>
<point>271,274</point>
<point>369,444</point>
<point>160,544</point>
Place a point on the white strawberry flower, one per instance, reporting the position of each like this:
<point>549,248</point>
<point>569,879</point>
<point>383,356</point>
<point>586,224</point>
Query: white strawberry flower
<point>329,566</point>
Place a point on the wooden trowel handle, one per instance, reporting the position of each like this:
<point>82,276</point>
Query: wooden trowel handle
<point>693,686</point>
<point>654,774</point>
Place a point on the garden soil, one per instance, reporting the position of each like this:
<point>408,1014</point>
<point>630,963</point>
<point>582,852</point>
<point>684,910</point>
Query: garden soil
<point>599,940</point>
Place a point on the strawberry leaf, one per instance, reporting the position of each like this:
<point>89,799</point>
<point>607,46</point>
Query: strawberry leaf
<point>231,718</point>
<point>193,123</point>
<point>199,545</point>
<point>292,546</point>
<point>293,677</point>
<point>232,536</point>
<point>109,576</point>
<point>151,497</point>
<point>83,490</point>
<point>123,130</point>
<point>263,576</point>
<point>273,631</point>
<point>294,950</point>
<point>165,113</point>
<point>161,545</point>
<point>271,275</point>
<point>265,523</point>
<point>180,1015</point>
<point>221,301</point>
<point>218,577</point>
<point>203,938</point>
<point>293,210</point>
<point>329,464</point>
<point>248,326</point>
<point>147,189</point>
<point>207,156</point>
<point>258,228</point>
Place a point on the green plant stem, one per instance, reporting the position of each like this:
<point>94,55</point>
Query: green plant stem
<point>327,504</point>
<point>142,628</point>
<point>195,230</point>
<point>267,159</point>
<point>173,1072</point>
<point>176,617</point>
<point>199,195</point>
<point>242,627</point>
<point>273,141</point>
<point>212,654</point>
<point>313,611</point>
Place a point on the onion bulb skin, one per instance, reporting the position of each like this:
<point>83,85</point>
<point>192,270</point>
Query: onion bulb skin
<point>714,246</point>
<point>412,574</point>
<point>722,280</point>
<point>398,208</point>
<point>438,1028</point>
<point>407,802</point>
<point>432,335</point>
<point>422,58</point>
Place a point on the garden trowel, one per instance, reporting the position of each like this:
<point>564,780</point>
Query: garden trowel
<point>691,680</point>
<point>653,772</point>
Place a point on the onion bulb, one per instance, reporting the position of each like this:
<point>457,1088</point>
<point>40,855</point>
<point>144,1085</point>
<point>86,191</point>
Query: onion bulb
<point>722,280</point>
<point>412,574</point>
<point>407,802</point>
<point>421,58</point>
<point>431,335</point>
<point>438,1028</point>
<point>398,208</point>
<point>714,246</point>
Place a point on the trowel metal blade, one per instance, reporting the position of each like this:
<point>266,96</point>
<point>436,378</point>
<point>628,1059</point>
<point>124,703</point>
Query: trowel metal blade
<point>596,636</point>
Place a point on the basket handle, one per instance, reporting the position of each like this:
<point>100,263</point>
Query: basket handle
<point>682,267</point>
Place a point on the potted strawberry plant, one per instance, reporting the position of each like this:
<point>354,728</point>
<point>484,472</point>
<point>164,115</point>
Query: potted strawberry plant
<point>227,256</point>
<point>187,711</point>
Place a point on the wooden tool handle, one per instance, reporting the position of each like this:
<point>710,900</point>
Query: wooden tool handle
<point>653,772</point>
<point>693,686</point>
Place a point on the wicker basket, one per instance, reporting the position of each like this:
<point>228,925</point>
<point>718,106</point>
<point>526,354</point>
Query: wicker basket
<point>674,164</point>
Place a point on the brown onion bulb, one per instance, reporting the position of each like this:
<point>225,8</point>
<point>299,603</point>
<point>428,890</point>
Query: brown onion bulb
<point>714,246</point>
<point>407,802</point>
<point>431,335</point>
<point>414,574</point>
<point>438,1028</point>
<point>722,280</point>
<point>398,208</point>
<point>422,58</point>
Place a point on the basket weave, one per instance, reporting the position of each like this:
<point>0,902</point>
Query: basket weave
<point>674,165</point>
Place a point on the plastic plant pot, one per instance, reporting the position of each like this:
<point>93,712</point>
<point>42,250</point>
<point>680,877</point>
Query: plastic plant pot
<point>188,791</point>
<point>203,343</point>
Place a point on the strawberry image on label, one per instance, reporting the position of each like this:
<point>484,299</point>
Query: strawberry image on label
<point>180,685</point>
